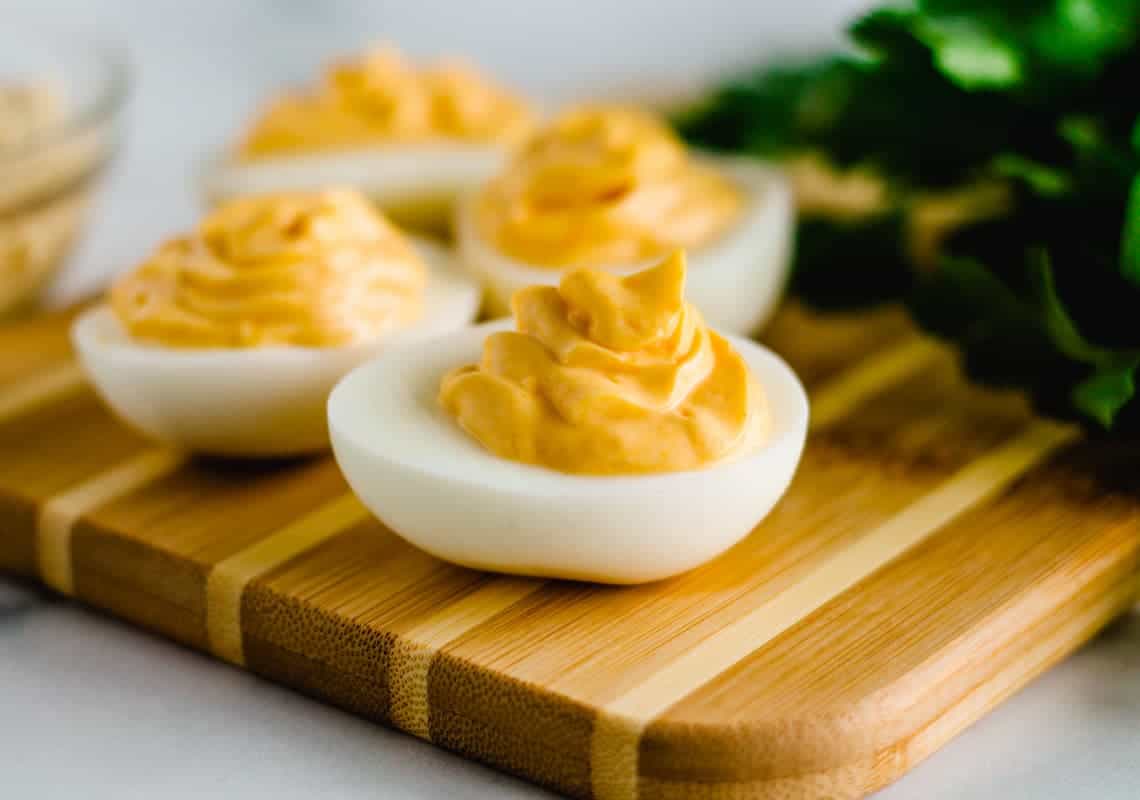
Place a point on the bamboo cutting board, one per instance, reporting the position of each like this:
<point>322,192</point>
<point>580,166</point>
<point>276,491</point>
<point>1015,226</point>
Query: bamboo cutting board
<point>938,548</point>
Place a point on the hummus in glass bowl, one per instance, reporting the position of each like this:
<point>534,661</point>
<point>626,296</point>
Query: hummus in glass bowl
<point>61,94</point>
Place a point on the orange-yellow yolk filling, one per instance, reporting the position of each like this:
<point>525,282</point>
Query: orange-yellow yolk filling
<point>603,186</point>
<point>308,269</point>
<point>381,98</point>
<point>609,376</point>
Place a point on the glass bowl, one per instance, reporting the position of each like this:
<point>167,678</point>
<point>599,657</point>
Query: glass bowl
<point>61,99</point>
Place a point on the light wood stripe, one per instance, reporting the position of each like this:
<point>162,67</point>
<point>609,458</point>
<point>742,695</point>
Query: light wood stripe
<point>59,514</point>
<point>228,578</point>
<point>415,649</point>
<point>618,729</point>
<point>39,390</point>
<point>842,395</point>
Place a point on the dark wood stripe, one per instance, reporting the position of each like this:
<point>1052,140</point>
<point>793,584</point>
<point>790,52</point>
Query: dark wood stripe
<point>540,735</point>
<point>17,535</point>
<point>34,344</point>
<point>157,544</point>
<point>49,451</point>
<point>342,603</point>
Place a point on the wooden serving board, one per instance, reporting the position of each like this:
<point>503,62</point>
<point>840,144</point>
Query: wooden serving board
<point>938,548</point>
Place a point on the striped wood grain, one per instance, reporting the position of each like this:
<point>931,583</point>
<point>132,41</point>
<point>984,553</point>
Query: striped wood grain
<point>937,549</point>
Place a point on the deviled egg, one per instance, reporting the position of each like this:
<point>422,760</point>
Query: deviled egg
<point>410,138</point>
<point>610,436</point>
<point>613,188</point>
<point>227,340</point>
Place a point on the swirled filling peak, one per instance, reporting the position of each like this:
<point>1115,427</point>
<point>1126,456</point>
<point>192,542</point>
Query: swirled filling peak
<point>315,269</point>
<point>603,185</point>
<point>379,97</point>
<point>609,376</point>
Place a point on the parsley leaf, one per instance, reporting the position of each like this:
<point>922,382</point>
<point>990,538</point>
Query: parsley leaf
<point>1038,97</point>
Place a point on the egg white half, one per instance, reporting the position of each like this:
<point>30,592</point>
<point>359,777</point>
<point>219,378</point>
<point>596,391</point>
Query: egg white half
<point>416,185</point>
<point>438,488</point>
<point>262,401</point>
<point>736,281</point>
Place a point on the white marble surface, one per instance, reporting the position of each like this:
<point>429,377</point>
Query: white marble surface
<point>92,708</point>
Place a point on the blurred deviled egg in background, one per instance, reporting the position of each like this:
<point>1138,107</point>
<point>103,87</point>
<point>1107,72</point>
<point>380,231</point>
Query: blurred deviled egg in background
<point>612,187</point>
<point>227,340</point>
<point>411,137</point>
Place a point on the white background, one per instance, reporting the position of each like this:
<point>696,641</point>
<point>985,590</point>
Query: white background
<point>92,708</point>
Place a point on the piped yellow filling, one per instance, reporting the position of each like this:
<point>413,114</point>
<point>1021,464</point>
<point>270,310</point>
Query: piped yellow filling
<point>609,376</point>
<point>604,186</point>
<point>314,269</point>
<point>380,98</point>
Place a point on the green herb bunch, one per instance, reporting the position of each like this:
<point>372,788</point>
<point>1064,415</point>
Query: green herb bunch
<point>1039,98</point>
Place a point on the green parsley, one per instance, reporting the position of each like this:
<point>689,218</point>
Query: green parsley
<point>1041,97</point>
